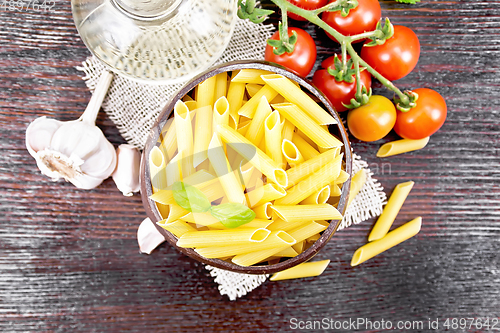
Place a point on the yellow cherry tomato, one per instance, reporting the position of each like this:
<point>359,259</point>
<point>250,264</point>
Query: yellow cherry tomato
<point>373,120</point>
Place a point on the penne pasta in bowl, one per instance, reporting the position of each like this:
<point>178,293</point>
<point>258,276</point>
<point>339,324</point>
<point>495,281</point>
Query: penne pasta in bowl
<point>245,170</point>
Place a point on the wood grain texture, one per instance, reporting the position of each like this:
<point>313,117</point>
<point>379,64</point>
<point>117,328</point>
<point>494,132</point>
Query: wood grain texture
<point>69,260</point>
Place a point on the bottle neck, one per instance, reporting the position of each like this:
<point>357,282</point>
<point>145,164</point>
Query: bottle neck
<point>147,9</point>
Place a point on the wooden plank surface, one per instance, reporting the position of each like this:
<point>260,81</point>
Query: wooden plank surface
<point>69,259</point>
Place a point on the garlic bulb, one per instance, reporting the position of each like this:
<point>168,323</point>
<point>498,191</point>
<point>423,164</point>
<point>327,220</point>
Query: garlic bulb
<point>74,150</point>
<point>126,174</point>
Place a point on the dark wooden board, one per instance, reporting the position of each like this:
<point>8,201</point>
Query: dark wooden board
<point>69,259</point>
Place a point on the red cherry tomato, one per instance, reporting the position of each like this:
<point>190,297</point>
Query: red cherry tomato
<point>360,19</point>
<point>305,4</point>
<point>395,58</point>
<point>424,119</point>
<point>338,92</point>
<point>302,59</point>
<point>372,121</point>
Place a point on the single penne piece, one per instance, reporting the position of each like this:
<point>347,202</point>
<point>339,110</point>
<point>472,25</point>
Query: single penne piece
<point>288,129</point>
<point>263,211</point>
<point>253,89</point>
<point>320,197</point>
<point>291,153</point>
<point>266,193</point>
<point>200,219</point>
<point>221,112</point>
<point>246,170</point>
<point>280,224</point>
<point>255,223</point>
<point>306,230</point>
<point>255,132</point>
<point>191,105</point>
<point>275,239</point>
<point>220,85</point>
<point>173,169</point>
<point>292,93</point>
<point>299,247</point>
<point>401,146</point>
<point>203,166</point>
<point>184,132</point>
<point>244,128</point>
<point>343,177</point>
<point>357,182</point>
<point>222,237</point>
<point>307,139</point>
<point>187,98</point>
<point>205,92</point>
<point>202,134</point>
<point>391,239</point>
<point>307,212</point>
<point>306,150</point>
<point>254,257</point>
<point>178,227</point>
<point>158,174</point>
<point>312,183</point>
<point>175,213</point>
<point>313,238</point>
<point>287,252</point>
<point>306,269</point>
<point>272,134</point>
<point>335,190</point>
<point>278,99</point>
<point>302,121</point>
<point>250,75</point>
<point>227,178</point>
<point>257,157</point>
<point>391,210</point>
<point>235,94</point>
<point>169,140</point>
<point>248,109</point>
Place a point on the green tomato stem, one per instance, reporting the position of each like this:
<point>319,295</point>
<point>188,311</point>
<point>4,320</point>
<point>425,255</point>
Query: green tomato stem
<point>312,16</point>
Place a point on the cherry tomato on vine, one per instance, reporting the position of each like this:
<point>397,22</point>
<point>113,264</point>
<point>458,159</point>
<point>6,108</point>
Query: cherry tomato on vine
<point>395,58</point>
<point>424,119</point>
<point>360,19</point>
<point>372,121</point>
<point>305,4</point>
<point>302,59</point>
<point>338,92</point>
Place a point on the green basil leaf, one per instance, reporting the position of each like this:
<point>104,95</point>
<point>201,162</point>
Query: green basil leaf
<point>232,215</point>
<point>190,198</point>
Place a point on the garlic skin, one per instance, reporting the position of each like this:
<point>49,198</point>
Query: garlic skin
<point>126,174</point>
<point>74,150</point>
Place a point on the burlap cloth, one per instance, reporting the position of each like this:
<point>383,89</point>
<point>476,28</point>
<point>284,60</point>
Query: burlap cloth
<point>133,107</point>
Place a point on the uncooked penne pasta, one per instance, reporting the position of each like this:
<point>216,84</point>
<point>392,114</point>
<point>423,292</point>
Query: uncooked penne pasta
<point>253,89</point>
<point>201,219</point>
<point>250,76</point>
<point>184,132</point>
<point>263,211</point>
<point>392,238</point>
<point>202,135</point>
<point>220,85</point>
<point>191,105</point>
<point>175,213</point>
<point>249,108</point>
<point>320,197</point>
<point>173,169</point>
<point>222,237</point>
<point>287,252</point>
<point>235,94</point>
<point>169,140</point>
<point>227,178</point>
<point>343,177</point>
<point>205,92</point>
<point>313,183</point>
<point>294,94</point>
<point>288,130</point>
<point>302,121</point>
<point>401,146</point>
<point>306,269</point>
<point>248,259</point>
<point>291,153</point>
<point>357,182</point>
<point>305,169</point>
<point>254,155</point>
<point>255,223</point>
<point>306,230</point>
<point>266,193</point>
<point>280,224</point>
<point>178,228</point>
<point>274,240</point>
<point>255,132</point>
<point>221,112</point>
<point>306,150</point>
<point>391,210</point>
<point>272,134</point>
<point>307,212</point>
<point>158,176</point>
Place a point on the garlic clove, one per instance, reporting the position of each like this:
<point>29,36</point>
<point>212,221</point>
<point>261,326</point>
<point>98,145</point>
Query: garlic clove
<point>39,133</point>
<point>126,174</point>
<point>148,237</point>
